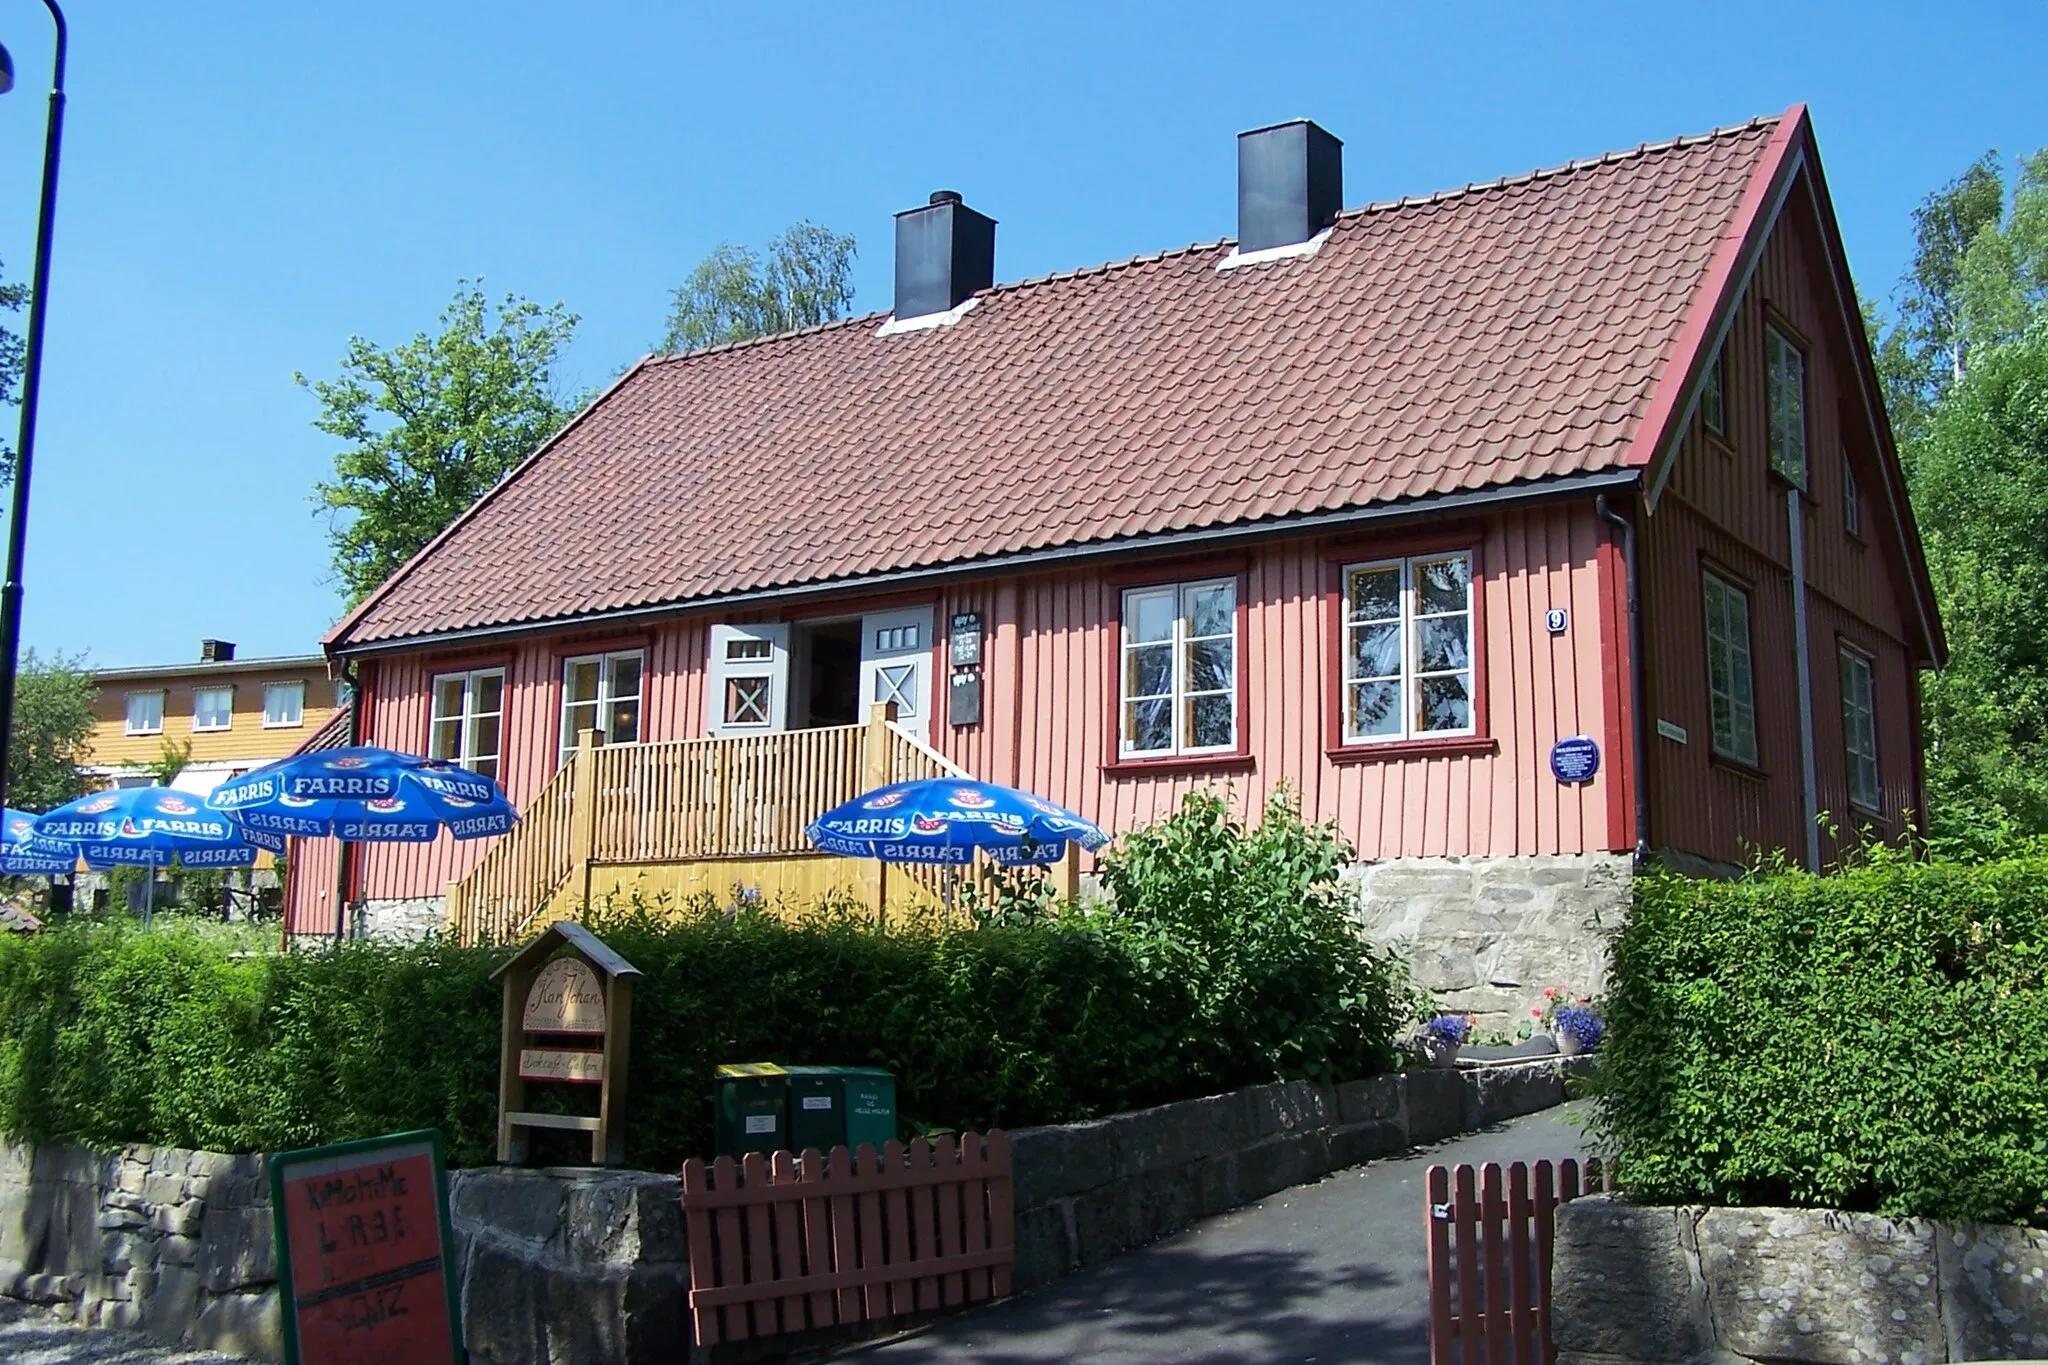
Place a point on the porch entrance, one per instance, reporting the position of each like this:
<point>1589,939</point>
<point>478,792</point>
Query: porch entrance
<point>838,668</point>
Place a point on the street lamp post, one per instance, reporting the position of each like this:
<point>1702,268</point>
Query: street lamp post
<point>31,385</point>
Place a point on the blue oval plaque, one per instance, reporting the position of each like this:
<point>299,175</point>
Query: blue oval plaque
<point>1575,759</point>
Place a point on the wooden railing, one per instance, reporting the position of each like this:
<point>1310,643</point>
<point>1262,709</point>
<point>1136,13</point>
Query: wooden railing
<point>521,872</point>
<point>682,801</point>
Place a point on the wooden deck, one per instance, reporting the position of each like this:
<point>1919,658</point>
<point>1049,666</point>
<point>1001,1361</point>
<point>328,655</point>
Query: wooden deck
<point>694,816</point>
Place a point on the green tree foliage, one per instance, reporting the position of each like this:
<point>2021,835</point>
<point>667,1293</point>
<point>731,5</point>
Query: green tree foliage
<point>734,293</point>
<point>1876,1040</point>
<point>432,424</point>
<point>13,348</point>
<point>53,701</point>
<point>1980,485</point>
<point>1965,371</point>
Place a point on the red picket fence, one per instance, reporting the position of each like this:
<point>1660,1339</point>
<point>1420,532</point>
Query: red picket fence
<point>789,1243</point>
<point>1489,1258</point>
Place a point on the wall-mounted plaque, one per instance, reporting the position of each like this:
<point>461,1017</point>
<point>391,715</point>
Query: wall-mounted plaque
<point>965,640</point>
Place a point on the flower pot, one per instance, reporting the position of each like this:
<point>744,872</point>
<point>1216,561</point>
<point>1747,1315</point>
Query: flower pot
<point>1567,1043</point>
<point>1440,1052</point>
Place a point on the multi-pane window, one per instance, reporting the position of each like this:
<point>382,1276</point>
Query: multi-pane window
<point>1731,686</point>
<point>284,705</point>
<point>601,692</point>
<point>1713,396</point>
<point>213,708</point>
<point>1785,397</point>
<point>145,713</point>
<point>749,681</point>
<point>1859,728</point>
<point>469,710</point>
<point>1852,500</point>
<point>1179,676</point>
<point>1408,649</point>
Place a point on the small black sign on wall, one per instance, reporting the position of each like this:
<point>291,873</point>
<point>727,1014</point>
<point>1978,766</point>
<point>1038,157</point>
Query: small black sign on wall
<point>963,698</point>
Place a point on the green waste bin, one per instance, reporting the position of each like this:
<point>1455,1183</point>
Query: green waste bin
<point>834,1106</point>
<point>763,1107</point>
<point>751,1109</point>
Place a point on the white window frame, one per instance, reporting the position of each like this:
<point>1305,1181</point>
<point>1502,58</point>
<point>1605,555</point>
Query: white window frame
<point>200,692</point>
<point>1410,674</point>
<point>1785,391</point>
<point>1740,696</point>
<point>1182,643</point>
<point>466,751</point>
<point>128,725</point>
<point>771,667</point>
<point>606,702</point>
<point>1859,729</point>
<point>298,712</point>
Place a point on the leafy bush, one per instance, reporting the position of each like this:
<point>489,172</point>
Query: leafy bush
<point>1194,983</point>
<point>1875,1040</point>
<point>1255,932</point>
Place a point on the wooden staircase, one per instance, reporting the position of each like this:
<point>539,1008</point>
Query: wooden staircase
<point>737,803</point>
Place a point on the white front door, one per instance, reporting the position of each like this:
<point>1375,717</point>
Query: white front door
<point>896,665</point>
<point>749,676</point>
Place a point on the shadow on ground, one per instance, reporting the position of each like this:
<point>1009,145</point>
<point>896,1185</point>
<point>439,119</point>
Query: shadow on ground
<point>1183,1304</point>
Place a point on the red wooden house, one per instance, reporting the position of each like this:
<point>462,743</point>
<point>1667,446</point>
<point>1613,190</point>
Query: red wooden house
<point>1382,504</point>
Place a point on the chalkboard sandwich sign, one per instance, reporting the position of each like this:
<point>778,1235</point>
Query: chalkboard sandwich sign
<point>365,1256</point>
<point>568,1020</point>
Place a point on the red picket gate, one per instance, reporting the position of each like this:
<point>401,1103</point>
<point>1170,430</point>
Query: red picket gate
<point>1489,1258</point>
<point>791,1243</point>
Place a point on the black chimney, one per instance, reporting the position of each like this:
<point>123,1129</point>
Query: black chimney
<point>217,651</point>
<point>1290,184</point>
<point>945,251</point>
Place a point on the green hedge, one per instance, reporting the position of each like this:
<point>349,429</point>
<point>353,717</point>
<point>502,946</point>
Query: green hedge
<point>1875,1040</point>
<point>110,1035</point>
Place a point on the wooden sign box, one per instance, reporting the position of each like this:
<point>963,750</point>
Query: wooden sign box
<point>563,992</point>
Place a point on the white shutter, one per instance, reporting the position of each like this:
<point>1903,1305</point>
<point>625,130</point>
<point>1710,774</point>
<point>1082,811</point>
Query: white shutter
<point>896,665</point>
<point>749,680</point>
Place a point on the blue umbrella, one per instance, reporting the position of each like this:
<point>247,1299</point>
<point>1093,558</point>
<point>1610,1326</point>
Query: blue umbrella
<point>24,853</point>
<point>152,827</point>
<point>945,821</point>
<point>366,795</point>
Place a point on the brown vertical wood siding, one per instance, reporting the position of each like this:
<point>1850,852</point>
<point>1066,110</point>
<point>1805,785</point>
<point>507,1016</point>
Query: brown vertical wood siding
<point>1722,505</point>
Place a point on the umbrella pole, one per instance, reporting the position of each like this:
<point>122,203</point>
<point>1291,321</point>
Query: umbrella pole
<point>148,892</point>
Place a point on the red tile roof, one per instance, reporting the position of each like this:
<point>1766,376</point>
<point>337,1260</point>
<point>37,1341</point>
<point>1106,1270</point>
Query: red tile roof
<point>1500,333</point>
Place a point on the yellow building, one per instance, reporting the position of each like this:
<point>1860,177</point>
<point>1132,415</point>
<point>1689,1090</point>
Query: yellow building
<point>237,714</point>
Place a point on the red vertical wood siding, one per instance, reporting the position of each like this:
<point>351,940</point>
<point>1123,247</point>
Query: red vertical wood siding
<point>1049,690</point>
<point>1722,505</point>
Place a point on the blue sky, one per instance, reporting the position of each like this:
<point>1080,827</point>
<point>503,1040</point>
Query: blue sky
<point>245,185</point>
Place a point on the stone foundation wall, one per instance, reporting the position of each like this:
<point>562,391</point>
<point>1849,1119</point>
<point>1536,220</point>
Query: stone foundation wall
<point>400,921</point>
<point>1489,934</point>
<point>1653,1285</point>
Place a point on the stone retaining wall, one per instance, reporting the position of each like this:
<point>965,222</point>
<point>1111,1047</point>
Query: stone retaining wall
<point>582,1264</point>
<point>1086,1192</point>
<point>1651,1285</point>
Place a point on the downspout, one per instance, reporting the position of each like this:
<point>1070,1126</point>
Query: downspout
<point>1639,739</point>
<point>341,861</point>
<point>1795,517</point>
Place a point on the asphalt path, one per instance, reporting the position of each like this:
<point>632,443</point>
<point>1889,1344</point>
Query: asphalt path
<point>1322,1273</point>
<point>36,1336</point>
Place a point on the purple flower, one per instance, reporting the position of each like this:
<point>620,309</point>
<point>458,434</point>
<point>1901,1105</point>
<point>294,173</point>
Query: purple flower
<point>1582,1026</point>
<point>1448,1028</point>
